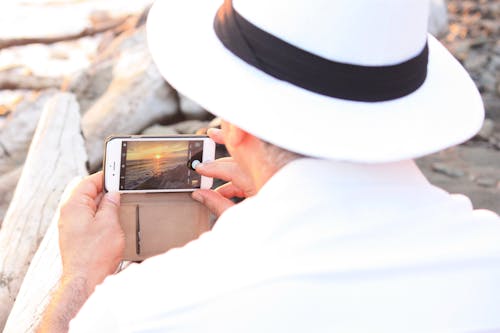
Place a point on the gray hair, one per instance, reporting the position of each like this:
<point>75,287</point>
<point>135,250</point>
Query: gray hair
<point>278,156</point>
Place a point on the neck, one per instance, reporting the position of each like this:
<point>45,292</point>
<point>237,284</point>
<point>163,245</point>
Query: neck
<point>270,159</point>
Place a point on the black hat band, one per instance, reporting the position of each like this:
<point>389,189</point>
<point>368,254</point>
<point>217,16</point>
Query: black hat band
<point>314,73</point>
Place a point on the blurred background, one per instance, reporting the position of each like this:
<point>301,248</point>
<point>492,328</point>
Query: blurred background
<point>96,50</point>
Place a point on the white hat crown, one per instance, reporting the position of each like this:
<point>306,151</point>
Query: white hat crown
<point>329,28</point>
<point>224,64</point>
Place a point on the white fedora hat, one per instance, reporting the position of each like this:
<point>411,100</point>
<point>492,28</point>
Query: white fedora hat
<point>353,80</point>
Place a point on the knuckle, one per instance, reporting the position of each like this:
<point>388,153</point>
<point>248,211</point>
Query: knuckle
<point>86,201</point>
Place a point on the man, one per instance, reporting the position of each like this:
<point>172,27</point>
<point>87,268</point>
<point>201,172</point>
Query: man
<point>351,237</point>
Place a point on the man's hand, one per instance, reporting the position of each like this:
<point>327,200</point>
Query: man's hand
<point>91,243</point>
<point>91,239</point>
<point>238,183</point>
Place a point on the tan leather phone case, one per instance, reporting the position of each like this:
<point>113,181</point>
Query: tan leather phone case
<point>156,222</point>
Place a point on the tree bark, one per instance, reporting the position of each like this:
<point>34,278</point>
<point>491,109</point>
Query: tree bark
<point>56,156</point>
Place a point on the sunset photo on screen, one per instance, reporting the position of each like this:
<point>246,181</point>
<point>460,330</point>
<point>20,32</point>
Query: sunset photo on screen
<point>155,165</point>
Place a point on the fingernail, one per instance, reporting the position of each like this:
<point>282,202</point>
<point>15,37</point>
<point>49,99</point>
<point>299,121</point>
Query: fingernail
<point>197,196</point>
<point>204,164</point>
<point>213,130</point>
<point>114,197</point>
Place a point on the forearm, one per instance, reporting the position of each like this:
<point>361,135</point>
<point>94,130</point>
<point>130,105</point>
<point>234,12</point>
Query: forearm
<point>65,304</point>
<point>92,242</point>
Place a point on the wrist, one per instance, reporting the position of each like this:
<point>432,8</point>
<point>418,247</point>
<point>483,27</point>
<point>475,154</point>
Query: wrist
<point>72,292</point>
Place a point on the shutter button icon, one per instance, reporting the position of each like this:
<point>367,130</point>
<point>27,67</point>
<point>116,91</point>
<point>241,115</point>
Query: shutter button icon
<point>194,164</point>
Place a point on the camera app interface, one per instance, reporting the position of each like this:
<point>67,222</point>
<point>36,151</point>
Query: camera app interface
<point>156,165</point>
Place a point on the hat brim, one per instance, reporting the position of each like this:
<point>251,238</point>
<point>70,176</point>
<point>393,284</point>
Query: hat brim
<point>446,110</point>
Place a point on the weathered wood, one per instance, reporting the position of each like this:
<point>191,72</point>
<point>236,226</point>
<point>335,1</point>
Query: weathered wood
<point>40,281</point>
<point>41,66</point>
<point>12,79</point>
<point>137,97</point>
<point>90,31</point>
<point>55,157</point>
<point>8,182</point>
<point>16,132</point>
<point>50,22</point>
<point>92,83</point>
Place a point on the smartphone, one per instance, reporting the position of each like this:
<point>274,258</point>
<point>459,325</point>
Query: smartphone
<point>141,164</point>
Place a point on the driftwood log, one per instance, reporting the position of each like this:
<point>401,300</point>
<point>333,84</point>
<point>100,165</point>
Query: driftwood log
<point>136,98</point>
<point>59,21</point>
<point>4,43</point>
<point>17,131</point>
<point>55,157</point>
<point>40,281</point>
<point>12,79</point>
<point>8,183</point>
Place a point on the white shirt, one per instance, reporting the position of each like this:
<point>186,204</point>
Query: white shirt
<point>323,247</point>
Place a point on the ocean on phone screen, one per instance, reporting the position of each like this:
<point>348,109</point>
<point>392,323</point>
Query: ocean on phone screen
<point>160,173</point>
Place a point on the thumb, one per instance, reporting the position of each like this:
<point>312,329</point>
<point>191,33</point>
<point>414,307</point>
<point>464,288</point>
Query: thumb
<point>109,207</point>
<point>213,200</point>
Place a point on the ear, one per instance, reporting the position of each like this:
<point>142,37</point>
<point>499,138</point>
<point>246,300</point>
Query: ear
<point>233,135</point>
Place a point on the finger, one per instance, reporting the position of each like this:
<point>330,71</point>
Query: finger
<point>222,168</point>
<point>82,203</point>
<point>90,186</point>
<point>214,201</point>
<point>216,135</point>
<point>229,190</point>
<point>108,211</point>
<point>98,180</point>
<point>98,199</point>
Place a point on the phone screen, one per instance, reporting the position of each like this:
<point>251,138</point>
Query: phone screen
<point>157,165</point>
